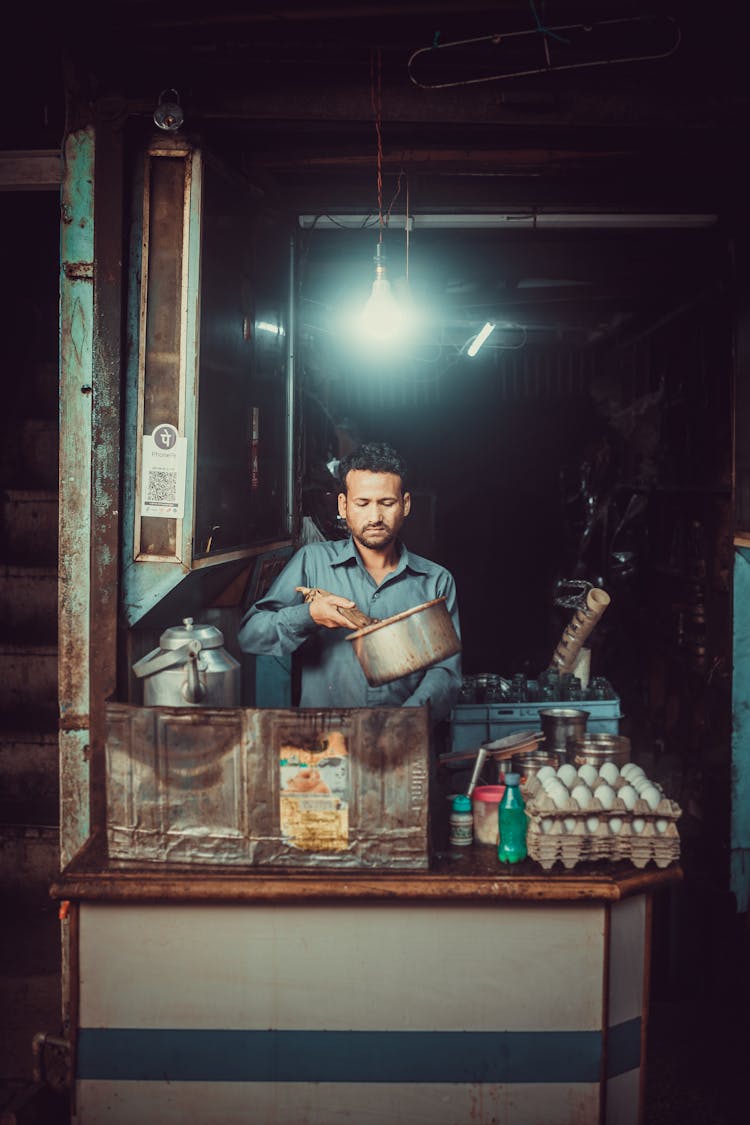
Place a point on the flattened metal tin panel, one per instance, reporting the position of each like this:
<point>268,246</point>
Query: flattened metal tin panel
<point>292,787</point>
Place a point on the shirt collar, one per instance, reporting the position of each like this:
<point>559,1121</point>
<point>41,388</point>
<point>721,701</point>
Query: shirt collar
<point>348,553</point>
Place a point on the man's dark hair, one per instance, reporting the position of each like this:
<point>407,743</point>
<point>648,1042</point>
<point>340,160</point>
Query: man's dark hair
<point>373,457</point>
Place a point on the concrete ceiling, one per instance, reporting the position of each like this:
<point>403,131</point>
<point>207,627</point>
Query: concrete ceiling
<point>572,108</point>
<point>296,86</point>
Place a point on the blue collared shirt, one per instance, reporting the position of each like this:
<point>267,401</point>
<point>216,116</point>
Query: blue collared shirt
<point>332,676</point>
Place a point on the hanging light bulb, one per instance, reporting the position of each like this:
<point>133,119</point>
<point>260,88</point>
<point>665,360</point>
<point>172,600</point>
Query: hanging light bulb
<point>380,317</point>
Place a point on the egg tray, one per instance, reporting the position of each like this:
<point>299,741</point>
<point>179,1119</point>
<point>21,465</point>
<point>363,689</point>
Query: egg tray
<point>570,847</point>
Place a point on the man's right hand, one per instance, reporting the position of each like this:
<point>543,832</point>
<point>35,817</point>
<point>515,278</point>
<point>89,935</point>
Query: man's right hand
<point>324,610</point>
<point>330,607</point>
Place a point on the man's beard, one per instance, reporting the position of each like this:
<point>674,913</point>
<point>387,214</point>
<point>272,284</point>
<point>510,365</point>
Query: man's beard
<point>373,538</point>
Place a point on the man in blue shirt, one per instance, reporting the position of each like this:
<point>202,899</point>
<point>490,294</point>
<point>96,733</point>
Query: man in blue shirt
<point>373,571</point>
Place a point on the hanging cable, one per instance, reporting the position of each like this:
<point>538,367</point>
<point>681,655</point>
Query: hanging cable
<point>396,194</point>
<point>376,98</point>
<point>407,230</point>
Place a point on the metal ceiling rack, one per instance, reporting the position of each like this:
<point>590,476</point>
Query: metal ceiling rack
<point>563,38</point>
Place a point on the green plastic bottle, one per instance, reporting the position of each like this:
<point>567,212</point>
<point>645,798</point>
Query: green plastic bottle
<point>511,822</point>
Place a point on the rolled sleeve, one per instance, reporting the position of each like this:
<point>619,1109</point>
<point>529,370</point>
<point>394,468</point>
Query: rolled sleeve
<point>280,622</point>
<point>439,687</point>
<point>441,684</point>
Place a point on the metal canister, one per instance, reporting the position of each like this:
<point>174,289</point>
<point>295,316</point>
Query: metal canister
<point>559,724</point>
<point>190,669</point>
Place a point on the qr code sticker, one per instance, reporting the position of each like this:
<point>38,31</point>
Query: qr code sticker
<point>161,487</point>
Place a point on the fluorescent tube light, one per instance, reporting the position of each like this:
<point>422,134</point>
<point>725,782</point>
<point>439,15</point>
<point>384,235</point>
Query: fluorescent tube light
<point>522,220</point>
<point>273,329</point>
<point>480,337</point>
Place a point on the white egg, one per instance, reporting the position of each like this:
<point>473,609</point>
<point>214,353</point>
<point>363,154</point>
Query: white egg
<point>561,797</point>
<point>651,796</point>
<point>662,825</point>
<point>583,795</point>
<point>547,823</point>
<point>637,774</point>
<point>615,824</point>
<point>568,774</point>
<point>626,768</point>
<point>628,796</point>
<point>610,772</point>
<point>638,824</point>
<point>544,772</point>
<point>588,773</point>
<point>552,786</point>
<point>569,823</point>
<point>641,783</point>
<point>592,823</point>
<point>605,794</point>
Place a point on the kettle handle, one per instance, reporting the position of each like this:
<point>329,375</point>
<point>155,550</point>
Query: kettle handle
<point>170,658</point>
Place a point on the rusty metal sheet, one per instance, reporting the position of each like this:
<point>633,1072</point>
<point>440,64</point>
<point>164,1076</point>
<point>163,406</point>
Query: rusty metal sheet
<point>105,445</point>
<point>76,381</point>
<point>289,788</point>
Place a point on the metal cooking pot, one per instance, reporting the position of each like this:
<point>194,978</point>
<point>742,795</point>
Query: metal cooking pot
<point>191,669</point>
<point>405,643</point>
<point>529,764</point>
<point>598,748</point>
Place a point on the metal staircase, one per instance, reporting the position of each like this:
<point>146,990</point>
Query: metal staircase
<point>29,787</point>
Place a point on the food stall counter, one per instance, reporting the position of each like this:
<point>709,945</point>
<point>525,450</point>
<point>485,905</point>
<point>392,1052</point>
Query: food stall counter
<point>466,992</point>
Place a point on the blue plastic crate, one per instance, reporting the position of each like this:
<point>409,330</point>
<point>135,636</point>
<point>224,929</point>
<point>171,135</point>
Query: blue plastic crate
<point>475,723</point>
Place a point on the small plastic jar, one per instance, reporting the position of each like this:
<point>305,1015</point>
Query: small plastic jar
<point>484,802</point>
<point>461,822</point>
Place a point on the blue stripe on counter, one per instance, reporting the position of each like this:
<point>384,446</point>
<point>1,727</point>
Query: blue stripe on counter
<point>623,1047</point>
<point>134,1054</point>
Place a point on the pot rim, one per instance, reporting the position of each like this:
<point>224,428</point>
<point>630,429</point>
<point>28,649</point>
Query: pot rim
<point>602,739</point>
<point>366,630</point>
<point>564,713</point>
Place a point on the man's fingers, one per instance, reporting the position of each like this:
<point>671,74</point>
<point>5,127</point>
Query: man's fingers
<point>327,611</point>
<point>314,593</point>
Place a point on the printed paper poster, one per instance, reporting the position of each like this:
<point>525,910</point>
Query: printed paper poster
<point>314,795</point>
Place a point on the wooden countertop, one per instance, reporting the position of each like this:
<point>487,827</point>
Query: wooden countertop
<point>476,876</point>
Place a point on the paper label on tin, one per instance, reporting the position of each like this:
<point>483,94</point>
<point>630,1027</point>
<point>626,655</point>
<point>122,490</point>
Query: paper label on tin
<point>315,794</point>
<point>163,461</point>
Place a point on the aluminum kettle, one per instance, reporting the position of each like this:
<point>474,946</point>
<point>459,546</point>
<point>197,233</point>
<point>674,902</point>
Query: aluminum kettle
<point>190,669</point>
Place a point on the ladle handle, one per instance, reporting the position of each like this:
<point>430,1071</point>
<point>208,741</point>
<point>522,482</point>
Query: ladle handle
<point>520,748</point>
<point>477,770</point>
<point>501,748</point>
<point>356,617</point>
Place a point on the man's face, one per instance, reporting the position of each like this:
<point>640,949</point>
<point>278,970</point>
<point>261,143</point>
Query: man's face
<point>374,507</point>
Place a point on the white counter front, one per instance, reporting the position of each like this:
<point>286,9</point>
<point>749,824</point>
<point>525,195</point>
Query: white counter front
<point>369,999</point>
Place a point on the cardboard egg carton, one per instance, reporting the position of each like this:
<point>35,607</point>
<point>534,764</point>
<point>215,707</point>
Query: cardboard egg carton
<point>572,835</point>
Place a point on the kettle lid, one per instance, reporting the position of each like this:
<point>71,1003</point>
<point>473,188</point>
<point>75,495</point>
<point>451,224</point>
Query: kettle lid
<point>178,635</point>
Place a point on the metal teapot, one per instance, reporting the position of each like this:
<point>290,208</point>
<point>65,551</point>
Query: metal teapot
<point>190,669</point>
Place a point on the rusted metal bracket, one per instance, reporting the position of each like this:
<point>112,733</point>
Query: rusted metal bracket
<point>41,1072</point>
